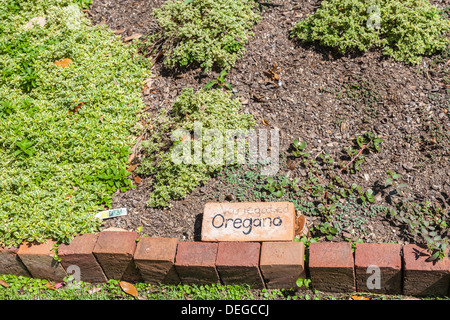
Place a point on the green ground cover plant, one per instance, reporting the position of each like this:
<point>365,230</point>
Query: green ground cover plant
<point>405,30</point>
<point>23,288</point>
<point>205,32</point>
<point>213,109</point>
<point>341,205</point>
<point>65,130</point>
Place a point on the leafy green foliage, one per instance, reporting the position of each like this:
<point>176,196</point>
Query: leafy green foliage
<point>365,143</point>
<point>301,282</point>
<point>298,147</point>
<point>327,230</point>
<point>276,186</point>
<point>322,192</point>
<point>214,109</point>
<point>206,32</point>
<point>428,222</point>
<point>407,30</point>
<point>59,164</point>
<point>219,82</point>
<point>84,4</point>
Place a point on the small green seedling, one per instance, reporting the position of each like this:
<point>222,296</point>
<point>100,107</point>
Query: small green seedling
<point>301,282</point>
<point>298,147</point>
<point>219,82</point>
<point>276,187</point>
<point>327,229</point>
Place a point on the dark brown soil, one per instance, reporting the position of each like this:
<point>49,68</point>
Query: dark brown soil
<point>311,102</point>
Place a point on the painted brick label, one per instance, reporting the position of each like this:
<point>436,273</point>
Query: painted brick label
<point>248,221</point>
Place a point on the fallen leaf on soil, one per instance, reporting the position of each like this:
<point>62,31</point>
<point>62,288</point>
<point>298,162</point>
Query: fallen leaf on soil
<point>273,74</point>
<point>4,283</point>
<point>40,21</point>
<point>58,285</point>
<point>131,157</point>
<point>159,55</point>
<point>137,179</point>
<point>49,286</point>
<point>129,288</point>
<point>94,290</point>
<point>102,22</point>
<point>301,227</point>
<point>132,37</point>
<point>132,167</point>
<point>120,31</point>
<point>291,164</point>
<point>64,63</point>
<point>258,98</point>
<point>77,107</point>
<point>360,298</point>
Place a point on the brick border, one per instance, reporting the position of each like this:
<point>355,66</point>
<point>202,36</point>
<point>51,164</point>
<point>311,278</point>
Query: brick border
<point>333,266</point>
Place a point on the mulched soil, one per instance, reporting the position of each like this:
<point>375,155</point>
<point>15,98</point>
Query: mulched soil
<point>307,102</point>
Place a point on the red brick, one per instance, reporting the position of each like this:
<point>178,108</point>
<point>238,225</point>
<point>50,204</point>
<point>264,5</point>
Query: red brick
<point>331,267</point>
<point>10,263</point>
<point>238,263</point>
<point>79,253</point>
<point>282,263</point>
<point>114,251</point>
<point>386,257</point>
<point>40,262</point>
<point>155,259</point>
<point>132,273</point>
<point>421,278</point>
<point>195,262</point>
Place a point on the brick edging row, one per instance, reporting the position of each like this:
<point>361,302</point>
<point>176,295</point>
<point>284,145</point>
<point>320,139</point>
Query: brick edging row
<point>385,268</point>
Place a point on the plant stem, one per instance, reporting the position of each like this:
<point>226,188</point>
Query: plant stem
<point>356,156</point>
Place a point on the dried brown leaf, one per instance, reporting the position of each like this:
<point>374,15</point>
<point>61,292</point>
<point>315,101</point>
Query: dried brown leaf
<point>76,108</point>
<point>132,37</point>
<point>120,31</point>
<point>4,283</point>
<point>64,63</point>
<point>301,227</point>
<point>132,167</point>
<point>360,298</point>
<point>128,288</point>
<point>49,286</point>
<point>291,164</point>
<point>137,179</point>
<point>131,157</point>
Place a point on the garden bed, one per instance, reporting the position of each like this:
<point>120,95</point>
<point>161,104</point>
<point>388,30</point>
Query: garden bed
<point>318,96</point>
<point>364,139</point>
